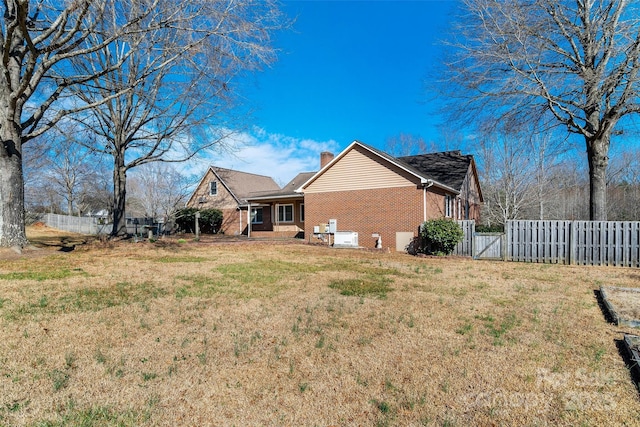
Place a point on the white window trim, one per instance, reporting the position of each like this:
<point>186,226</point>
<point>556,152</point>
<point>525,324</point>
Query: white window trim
<point>301,212</point>
<point>211,185</point>
<point>284,213</point>
<point>447,206</point>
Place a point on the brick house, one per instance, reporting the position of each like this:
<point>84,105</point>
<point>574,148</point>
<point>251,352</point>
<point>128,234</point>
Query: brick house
<point>282,213</point>
<point>372,193</point>
<point>227,190</point>
<point>279,213</point>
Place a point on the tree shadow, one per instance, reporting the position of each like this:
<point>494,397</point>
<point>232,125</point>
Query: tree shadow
<point>603,307</point>
<point>632,365</point>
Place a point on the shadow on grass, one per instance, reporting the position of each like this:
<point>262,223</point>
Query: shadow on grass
<point>632,365</point>
<point>62,243</point>
<point>603,307</point>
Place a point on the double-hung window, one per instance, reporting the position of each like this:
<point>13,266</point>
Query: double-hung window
<point>447,206</point>
<point>213,188</point>
<point>285,213</point>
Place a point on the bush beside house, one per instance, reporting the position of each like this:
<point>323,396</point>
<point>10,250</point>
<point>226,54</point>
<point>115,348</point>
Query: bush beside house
<point>440,236</point>
<point>210,220</point>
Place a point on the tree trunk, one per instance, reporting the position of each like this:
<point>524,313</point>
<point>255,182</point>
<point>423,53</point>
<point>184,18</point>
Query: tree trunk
<point>12,230</point>
<point>119,197</point>
<point>597,153</point>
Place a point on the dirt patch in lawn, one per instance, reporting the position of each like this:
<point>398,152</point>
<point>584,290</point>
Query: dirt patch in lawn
<point>246,334</point>
<point>44,240</point>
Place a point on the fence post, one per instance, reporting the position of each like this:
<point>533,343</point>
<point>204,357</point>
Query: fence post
<point>573,243</point>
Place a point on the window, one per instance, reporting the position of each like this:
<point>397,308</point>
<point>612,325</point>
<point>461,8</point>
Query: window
<point>213,188</point>
<point>256,215</point>
<point>302,212</point>
<point>285,213</point>
<point>447,206</point>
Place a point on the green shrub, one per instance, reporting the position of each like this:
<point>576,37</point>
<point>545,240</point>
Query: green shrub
<point>440,236</point>
<point>495,228</point>
<point>210,220</point>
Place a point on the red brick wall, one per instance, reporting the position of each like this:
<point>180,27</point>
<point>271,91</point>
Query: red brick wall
<point>231,221</point>
<point>383,211</point>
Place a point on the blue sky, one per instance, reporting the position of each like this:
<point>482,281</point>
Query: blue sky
<point>347,70</point>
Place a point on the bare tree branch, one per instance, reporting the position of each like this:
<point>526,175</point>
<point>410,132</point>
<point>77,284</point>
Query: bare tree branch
<point>575,62</point>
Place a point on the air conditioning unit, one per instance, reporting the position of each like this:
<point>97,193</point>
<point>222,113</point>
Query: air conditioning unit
<point>345,239</point>
<point>320,229</point>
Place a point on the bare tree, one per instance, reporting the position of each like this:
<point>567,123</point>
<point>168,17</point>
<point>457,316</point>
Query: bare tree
<point>40,39</point>
<point>37,40</point>
<point>570,179</point>
<point>94,195</point>
<point>507,169</point>
<point>406,144</point>
<point>36,185</point>
<point>63,175</point>
<point>160,189</point>
<point>624,186</point>
<point>69,167</point>
<point>549,62</point>
<point>545,156</point>
<point>181,81</point>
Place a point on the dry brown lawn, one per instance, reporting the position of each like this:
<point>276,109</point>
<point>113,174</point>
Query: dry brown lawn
<point>195,334</point>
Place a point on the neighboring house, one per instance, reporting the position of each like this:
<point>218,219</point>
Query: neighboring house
<point>375,194</point>
<point>227,190</point>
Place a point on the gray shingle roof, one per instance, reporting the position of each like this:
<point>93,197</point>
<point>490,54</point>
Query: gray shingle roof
<point>448,167</point>
<point>288,190</point>
<point>243,184</point>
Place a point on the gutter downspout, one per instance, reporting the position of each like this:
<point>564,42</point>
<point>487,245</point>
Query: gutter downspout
<point>248,220</point>
<point>426,185</point>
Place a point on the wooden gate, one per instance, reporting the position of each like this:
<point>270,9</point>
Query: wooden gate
<point>488,246</point>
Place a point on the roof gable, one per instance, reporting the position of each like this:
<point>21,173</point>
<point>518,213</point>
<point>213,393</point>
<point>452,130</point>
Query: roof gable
<point>413,168</point>
<point>361,169</point>
<point>239,184</point>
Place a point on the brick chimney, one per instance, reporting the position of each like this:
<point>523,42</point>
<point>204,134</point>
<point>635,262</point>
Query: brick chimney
<point>325,158</point>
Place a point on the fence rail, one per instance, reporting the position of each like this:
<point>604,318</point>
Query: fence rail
<point>614,243</point>
<point>606,243</point>
<point>538,241</point>
<point>83,225</point>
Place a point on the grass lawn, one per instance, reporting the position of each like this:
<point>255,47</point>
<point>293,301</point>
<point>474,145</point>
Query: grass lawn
<point>284,334</point>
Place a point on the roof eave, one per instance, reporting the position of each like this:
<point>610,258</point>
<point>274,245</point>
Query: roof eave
<point>431,182</point>
<point>274,197</point>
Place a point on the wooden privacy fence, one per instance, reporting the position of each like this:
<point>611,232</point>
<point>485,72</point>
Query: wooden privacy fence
<point>479,245</point>
<point>465,247</point>
<point>615,243</point>
<point>76,224</point>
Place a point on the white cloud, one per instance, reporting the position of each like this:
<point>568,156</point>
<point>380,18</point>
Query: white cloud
<point>278,156</point>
